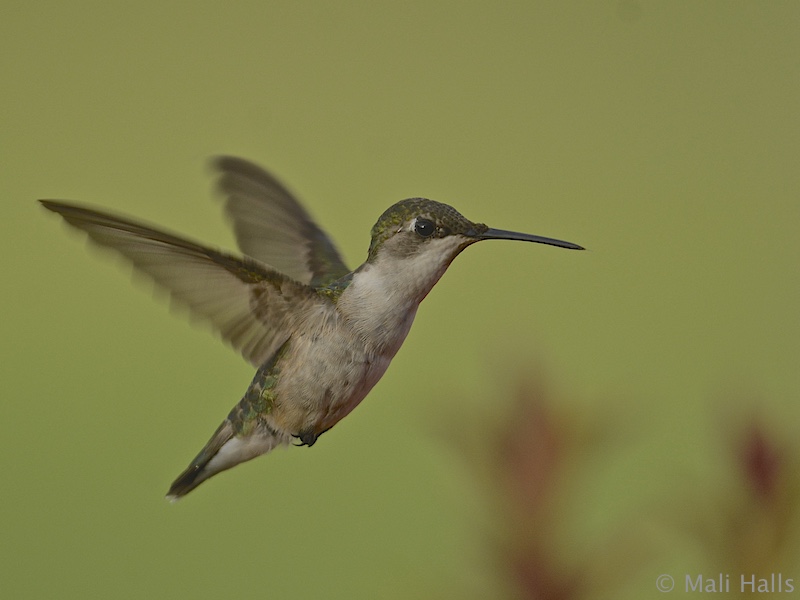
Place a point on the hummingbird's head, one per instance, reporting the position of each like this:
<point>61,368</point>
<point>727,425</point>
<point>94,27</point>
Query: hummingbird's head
<point>413,243</point>
<point>419,227</point>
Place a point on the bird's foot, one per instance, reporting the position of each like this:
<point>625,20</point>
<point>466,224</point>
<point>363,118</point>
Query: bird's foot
<point>307,438</point>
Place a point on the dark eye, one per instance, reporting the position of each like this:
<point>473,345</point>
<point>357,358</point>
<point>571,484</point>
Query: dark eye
<point>424,227</point>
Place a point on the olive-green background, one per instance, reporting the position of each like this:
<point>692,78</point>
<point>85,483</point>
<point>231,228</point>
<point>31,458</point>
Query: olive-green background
<point>663,136</point>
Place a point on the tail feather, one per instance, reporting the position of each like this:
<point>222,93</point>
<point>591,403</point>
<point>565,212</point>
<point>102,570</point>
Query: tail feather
<point>223,451</point>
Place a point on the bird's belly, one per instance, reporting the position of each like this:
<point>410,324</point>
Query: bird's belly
<point>321,381</point>
<point>352,393</point>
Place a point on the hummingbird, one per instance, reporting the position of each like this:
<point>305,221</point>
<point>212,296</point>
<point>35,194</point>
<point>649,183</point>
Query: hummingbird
<point>319,335</point>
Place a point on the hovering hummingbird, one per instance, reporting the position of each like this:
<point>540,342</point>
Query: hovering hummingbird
<point>320,335</point>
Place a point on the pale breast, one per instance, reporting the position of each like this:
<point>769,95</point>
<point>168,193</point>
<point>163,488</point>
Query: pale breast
<point>326,371</point>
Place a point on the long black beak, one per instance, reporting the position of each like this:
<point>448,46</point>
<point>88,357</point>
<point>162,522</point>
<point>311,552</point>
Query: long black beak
<point>502,234</point>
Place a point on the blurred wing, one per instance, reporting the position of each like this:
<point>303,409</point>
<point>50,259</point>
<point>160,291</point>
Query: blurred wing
<point>253,307</point>
<point>272,227</point>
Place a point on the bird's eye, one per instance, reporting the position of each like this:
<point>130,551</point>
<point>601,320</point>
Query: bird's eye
<point>424,227</point>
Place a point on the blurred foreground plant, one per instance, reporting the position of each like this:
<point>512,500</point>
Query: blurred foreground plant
<point>535,464</point>
<point>754,522</point>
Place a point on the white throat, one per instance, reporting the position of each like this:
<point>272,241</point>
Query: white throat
<point>382,299</point>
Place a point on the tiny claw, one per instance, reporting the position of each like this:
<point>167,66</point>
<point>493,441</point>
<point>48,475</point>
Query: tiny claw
<point>307,438</point>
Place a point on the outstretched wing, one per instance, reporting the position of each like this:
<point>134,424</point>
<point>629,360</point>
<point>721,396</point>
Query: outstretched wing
<point>272,227</point>
<point>253,307</point>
